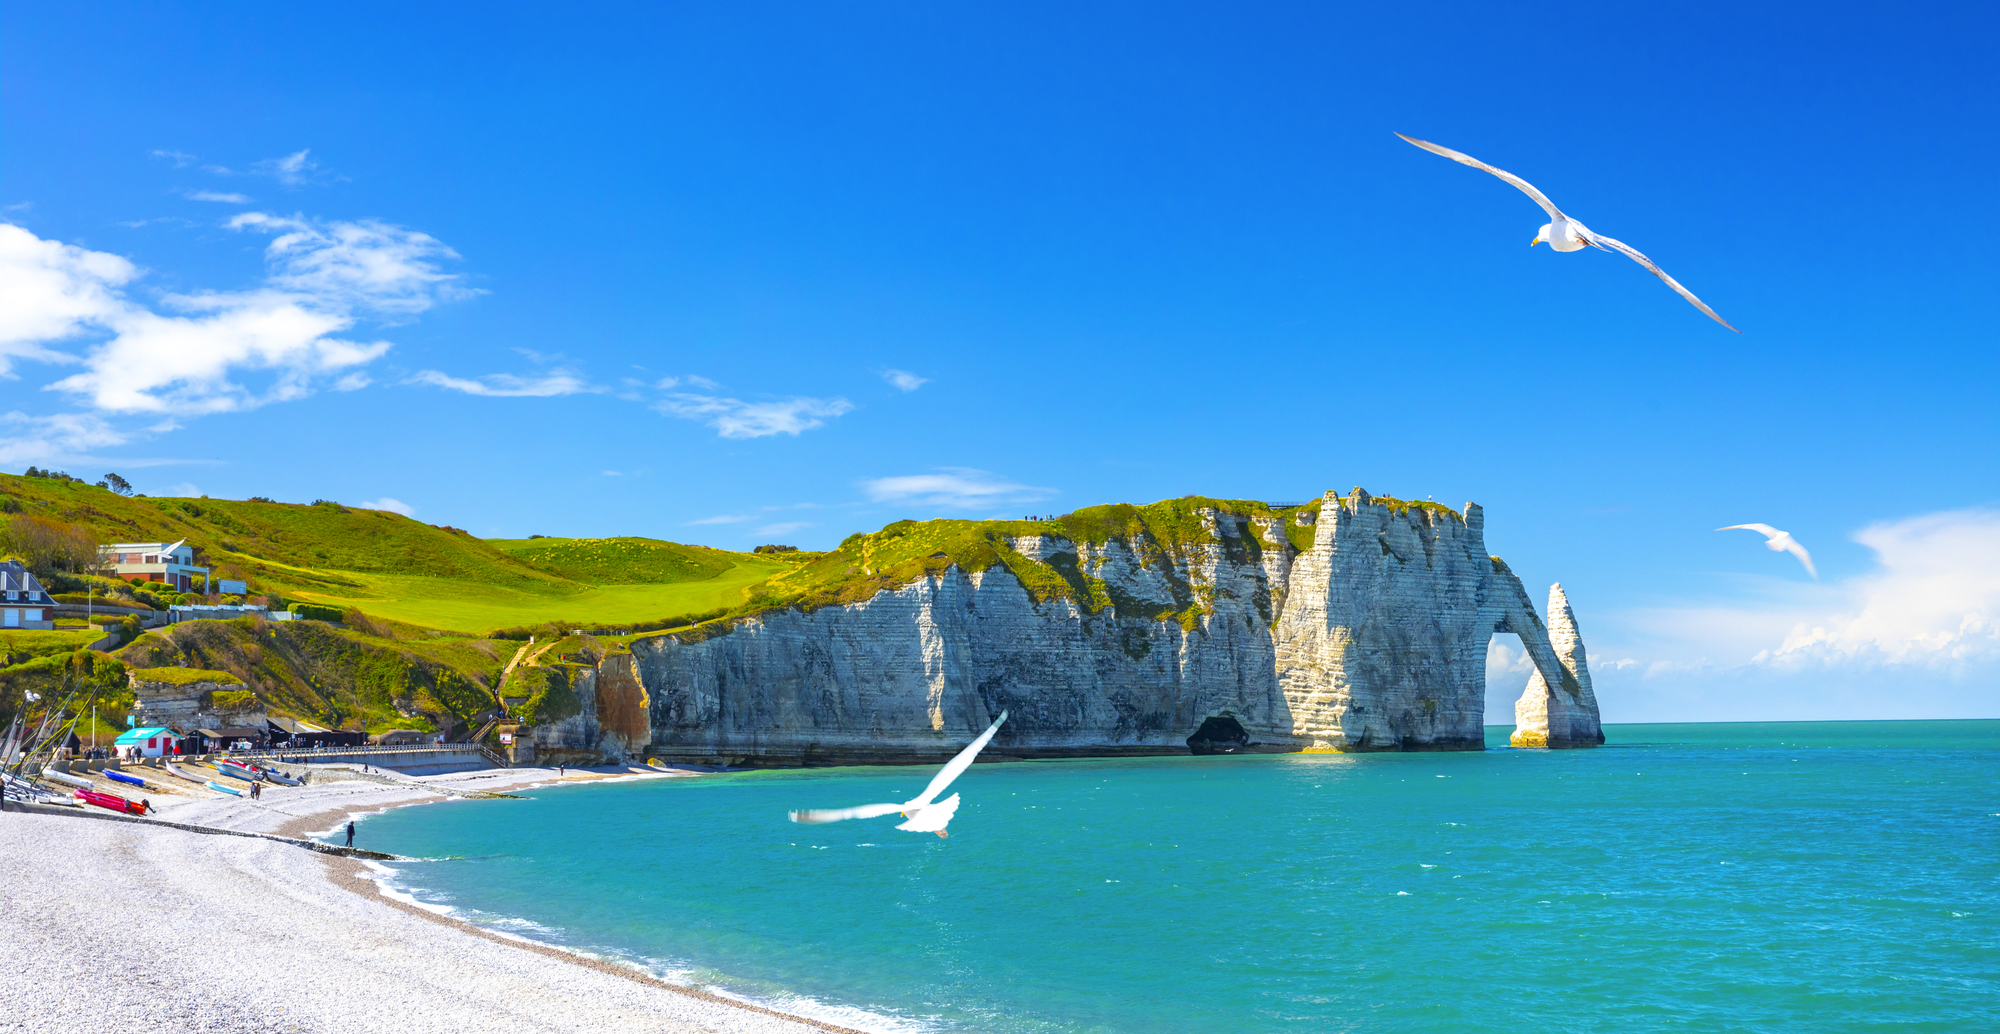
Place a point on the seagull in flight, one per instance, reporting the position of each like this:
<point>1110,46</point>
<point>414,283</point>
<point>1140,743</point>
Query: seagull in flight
<point>924,812</point>
<point>1779,542</point>
<point>1565,234</point>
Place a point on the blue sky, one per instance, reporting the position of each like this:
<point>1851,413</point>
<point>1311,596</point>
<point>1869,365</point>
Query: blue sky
<point>783,272</point>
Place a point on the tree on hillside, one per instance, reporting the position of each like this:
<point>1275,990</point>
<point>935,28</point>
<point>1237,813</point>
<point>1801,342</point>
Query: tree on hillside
<point>49,546</point>
<point>118,484</point>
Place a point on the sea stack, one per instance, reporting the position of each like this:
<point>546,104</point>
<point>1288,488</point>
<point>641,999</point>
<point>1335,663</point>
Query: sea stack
<point>1352,623</point>
<point>1565,717</point>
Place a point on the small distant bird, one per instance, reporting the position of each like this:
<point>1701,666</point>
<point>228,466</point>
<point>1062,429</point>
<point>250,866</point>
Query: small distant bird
<point>1779,542</point>
<point>1565,234</point>
<point>924,816</point>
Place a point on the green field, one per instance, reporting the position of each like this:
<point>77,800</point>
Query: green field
<point>23,645</point>
<point>476,607</point>
<point>618,561</point>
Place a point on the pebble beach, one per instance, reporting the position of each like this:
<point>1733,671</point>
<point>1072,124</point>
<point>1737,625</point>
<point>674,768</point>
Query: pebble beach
<point>122,926</point>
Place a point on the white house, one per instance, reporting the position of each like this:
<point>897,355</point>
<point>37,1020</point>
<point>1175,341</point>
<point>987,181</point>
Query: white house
<point>26,604</point>
<point>169,562</point>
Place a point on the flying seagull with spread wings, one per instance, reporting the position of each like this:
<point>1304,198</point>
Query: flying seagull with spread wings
<point>924,812</point>
<point>1565,234</point>
<point>1779,542</point>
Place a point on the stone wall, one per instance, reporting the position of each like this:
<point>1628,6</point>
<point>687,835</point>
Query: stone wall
<point>1372,639</point>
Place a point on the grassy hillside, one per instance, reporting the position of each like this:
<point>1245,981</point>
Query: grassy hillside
<point>396,567</point>
<point>452,604</point>
<point>618,561</point>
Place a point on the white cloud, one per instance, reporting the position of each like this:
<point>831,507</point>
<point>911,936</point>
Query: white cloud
<point>186,356</point>
<point>211,195</point>
<point>726,518</point>
<point>782,528</point>
<point>391,505</point>
<point>703,382</point>
<point>179,159</point>
<point>369,266</point>
<point>291,170</point>
<point>63,438</point>
<point>904,380</point>
<point>352,382</point>
<point>50,291</point>
<point>1932,603</point>
<point>1935,600</point>
<point>959,487</point>
<point>1507,662</point>
<point>507,385</point>
<point>734,418</point>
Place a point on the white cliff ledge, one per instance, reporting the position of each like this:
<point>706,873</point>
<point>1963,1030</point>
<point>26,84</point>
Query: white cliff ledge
<point>1349,624</point>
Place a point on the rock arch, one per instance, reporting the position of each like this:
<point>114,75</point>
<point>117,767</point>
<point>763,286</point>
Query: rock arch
<point>1558,708</point>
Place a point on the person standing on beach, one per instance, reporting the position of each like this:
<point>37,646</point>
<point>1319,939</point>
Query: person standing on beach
<point>350,833</point>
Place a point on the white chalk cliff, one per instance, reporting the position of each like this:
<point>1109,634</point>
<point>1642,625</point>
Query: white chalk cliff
<point>1373,639</point>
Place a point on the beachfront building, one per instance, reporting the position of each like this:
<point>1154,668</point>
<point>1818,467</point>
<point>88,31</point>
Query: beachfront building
<point>149,742</point>
<point>26,605</point>
<point>169,562</point>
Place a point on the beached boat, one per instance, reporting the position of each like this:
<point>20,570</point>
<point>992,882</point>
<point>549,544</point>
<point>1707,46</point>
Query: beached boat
<point>18,789</point>
<point>183,773</point>
<point>111,801</point>
<point>230,790</point>
<point>65,777</point>
<point>123,778</point>
<point>246,771</point>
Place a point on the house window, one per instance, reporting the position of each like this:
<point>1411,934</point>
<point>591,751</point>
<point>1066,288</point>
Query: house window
<point>12,595</point>
<point>34,615</point>
<point>10,618</point>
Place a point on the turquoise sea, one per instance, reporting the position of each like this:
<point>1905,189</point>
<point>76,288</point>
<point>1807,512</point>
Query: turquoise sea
<point>1814,877</point>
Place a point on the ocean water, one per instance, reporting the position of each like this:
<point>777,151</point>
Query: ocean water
<point>1815,877</point>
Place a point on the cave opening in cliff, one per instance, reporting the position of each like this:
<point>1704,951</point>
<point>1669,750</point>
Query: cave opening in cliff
<point>1219,735</point>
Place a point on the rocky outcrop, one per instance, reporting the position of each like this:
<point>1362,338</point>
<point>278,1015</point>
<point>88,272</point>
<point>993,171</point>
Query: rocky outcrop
<point>1565,717</point>
<point>185,700</point>
<point>1239,638</point>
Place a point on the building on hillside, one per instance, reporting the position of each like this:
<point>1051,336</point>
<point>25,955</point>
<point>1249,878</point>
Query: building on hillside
<point>148,742</point>
<point>27,605</point>
<point>169,562</point>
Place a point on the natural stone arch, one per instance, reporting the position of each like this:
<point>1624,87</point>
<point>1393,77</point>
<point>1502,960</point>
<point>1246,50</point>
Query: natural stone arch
<point>1558,708</point>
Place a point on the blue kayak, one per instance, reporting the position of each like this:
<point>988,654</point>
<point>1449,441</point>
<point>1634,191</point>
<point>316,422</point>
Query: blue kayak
<point>230,790</point>
<point>123,778</point>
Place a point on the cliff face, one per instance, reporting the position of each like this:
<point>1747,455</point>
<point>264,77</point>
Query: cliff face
<point>1373,637</point>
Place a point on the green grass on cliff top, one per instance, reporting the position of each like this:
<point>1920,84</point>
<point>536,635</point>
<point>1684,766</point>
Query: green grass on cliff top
<point>903,552</point>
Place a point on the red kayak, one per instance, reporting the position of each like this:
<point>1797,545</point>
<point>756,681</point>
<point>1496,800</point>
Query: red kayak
<point>112,801</point>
